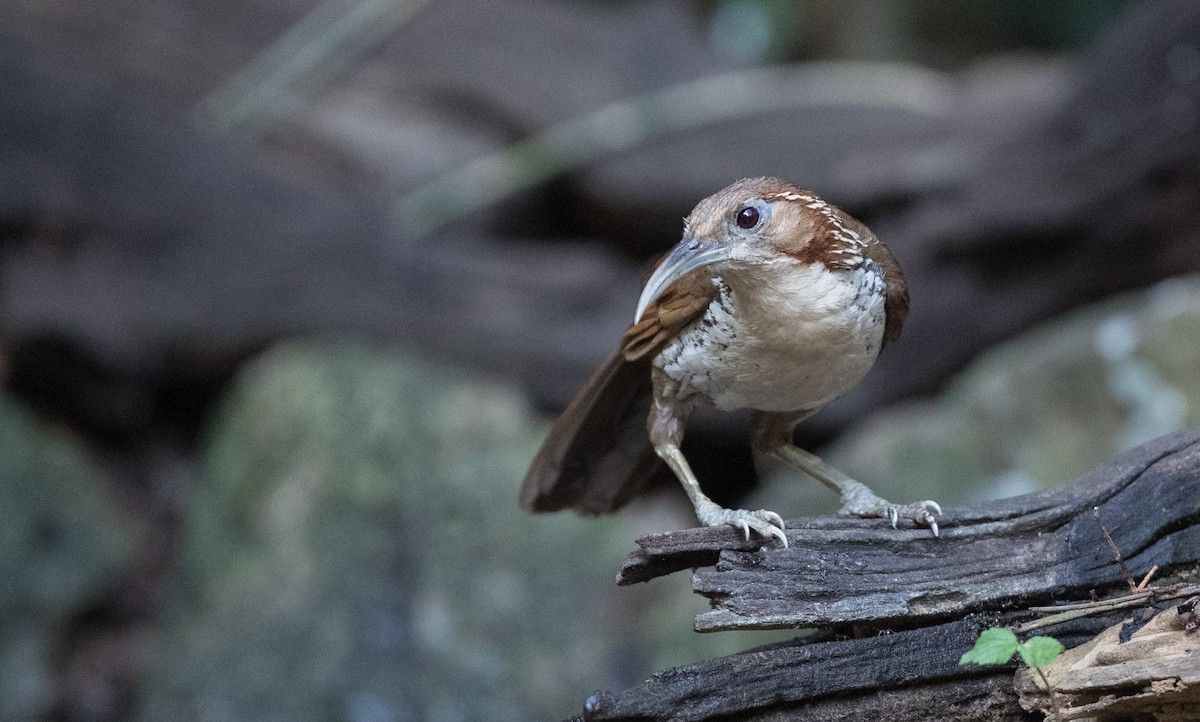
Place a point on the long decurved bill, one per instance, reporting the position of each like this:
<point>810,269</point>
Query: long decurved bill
<point>688,255</point>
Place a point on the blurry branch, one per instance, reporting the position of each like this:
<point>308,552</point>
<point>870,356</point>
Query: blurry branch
<point>625,124</point>
<point>307,58</point>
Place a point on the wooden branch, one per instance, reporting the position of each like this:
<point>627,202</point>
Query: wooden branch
<point>1027,549</point>
<point>906,676</point>
<point>793,673</point>
<point>915,603</point>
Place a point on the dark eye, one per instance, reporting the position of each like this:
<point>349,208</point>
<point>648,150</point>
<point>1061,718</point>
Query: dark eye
<point>747,217</point>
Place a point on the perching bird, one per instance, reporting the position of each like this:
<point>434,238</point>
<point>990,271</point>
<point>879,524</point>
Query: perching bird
<point>774,301</point>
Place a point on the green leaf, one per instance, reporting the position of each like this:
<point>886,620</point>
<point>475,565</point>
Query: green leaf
<point>994,646</point>
<point>1039,651</point>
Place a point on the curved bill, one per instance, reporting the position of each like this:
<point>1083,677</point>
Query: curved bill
<point>688,255</point>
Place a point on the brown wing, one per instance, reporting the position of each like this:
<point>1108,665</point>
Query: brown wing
<point>678,306</point>
<point>597,456</point>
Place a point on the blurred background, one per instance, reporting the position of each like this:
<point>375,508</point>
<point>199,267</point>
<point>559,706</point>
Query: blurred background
<point>290,290</point>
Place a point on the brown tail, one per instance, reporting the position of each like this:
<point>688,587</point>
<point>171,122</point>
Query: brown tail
<point>597,456</point>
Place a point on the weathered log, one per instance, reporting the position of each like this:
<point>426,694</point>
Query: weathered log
<point>905,676</point>
<point>1028,549</point>
<point>786,675</point>
<point>915,603</point>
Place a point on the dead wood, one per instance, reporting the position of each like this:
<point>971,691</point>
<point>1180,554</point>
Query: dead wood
<point>907,605</point>
<point>1126,672</point>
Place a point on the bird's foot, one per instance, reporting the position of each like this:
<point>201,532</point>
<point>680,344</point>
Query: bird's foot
<point>766,523</point>
<point>868,505</point>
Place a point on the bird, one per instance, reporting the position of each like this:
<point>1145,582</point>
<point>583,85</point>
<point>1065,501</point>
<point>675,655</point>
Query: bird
<point>773,301</point>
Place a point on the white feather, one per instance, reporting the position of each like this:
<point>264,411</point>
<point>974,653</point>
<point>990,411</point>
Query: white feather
<point>785,337</point>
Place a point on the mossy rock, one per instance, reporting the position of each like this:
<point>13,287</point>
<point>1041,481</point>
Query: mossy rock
<point>354,550</point>
<point>62,538</point>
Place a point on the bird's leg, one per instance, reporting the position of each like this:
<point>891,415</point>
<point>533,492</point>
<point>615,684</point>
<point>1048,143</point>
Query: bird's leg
<point>665,424</point>
<point>857,498</point>
<point>772,435</point>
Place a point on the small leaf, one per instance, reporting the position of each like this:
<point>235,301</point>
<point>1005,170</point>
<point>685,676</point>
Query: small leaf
<point>994,646</point>
<point>1037,652</point>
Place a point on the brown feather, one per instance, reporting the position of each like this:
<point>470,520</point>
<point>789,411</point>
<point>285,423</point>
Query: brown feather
<point>678,306</point>
<point>597,456</point>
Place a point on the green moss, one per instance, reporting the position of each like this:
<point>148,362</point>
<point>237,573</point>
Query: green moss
<point>354,546</point>
<point>61,540</point>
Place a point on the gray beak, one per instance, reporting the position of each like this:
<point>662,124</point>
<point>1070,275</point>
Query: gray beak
<point>688,255</point>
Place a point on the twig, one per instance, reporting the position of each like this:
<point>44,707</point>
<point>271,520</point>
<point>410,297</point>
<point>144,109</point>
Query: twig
<point>1113,545</point>
<point>1101,604</point>
<point>303,61</point>
<point>628,123</point>
<point>1053,696</point>
<point>1146,579</point>
<point>1068,612</point>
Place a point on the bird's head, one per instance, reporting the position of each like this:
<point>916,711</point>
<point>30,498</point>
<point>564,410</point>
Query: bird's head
<point>753,222</point>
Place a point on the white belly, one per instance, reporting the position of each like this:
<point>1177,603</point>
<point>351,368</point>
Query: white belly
<point>789,338</point>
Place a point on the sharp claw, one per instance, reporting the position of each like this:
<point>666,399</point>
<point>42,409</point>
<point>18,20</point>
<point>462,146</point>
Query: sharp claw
<point>937,509</point>
<point>933,527</point>
<point>893,515</point>
<point>765,523</point>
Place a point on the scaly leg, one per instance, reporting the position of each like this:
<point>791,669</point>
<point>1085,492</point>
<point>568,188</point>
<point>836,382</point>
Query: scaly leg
<point>665,424</point>
<point>772,435</point>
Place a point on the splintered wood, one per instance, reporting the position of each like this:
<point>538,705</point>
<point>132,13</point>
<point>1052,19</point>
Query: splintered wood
<point>1153,674</point>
